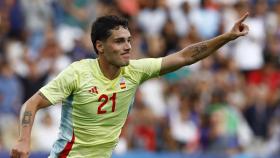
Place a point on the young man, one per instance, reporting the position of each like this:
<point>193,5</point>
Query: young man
<point>97,94</point>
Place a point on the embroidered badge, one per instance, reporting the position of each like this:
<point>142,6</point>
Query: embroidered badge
<point>122,83</point>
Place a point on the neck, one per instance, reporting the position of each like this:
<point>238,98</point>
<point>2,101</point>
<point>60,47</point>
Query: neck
<point>109,71</point>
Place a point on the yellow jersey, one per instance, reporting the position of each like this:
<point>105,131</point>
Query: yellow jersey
<point>94,108</point>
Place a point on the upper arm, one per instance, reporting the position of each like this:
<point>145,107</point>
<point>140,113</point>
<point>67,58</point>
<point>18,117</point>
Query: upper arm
<point>37,101</point>
<point>43,101</point>
<point>172,62</point>
<point>40,100</point>
<point>189,55</point>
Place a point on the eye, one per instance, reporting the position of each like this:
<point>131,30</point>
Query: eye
<point>119,40</point>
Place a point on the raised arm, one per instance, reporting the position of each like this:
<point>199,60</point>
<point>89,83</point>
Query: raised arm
<point>27,115</point>
<point>198,51</point>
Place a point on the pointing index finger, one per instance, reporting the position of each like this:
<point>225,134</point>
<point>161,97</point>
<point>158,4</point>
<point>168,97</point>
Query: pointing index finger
<point>243,18</point>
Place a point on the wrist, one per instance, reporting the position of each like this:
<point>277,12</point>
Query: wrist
<point>229,36</point>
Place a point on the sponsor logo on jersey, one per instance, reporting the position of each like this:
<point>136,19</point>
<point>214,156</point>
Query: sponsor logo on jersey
<point>93,90</point>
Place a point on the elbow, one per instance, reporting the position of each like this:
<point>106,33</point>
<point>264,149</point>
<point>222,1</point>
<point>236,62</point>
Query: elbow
<point>31,105</point>
<point>190,61</point>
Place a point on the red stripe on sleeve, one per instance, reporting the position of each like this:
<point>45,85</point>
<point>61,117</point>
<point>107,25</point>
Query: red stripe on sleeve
<point>64,153</point>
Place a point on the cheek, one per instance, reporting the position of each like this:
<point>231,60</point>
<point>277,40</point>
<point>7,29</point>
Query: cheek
<point>113,49</point>
<point>116,48</point>
<point>112,54</point>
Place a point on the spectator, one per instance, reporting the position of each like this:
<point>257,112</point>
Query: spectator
<point>39,39</point>
<point>10,91</point>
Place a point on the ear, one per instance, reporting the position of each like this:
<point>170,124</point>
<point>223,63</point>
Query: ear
<point>99,47</point>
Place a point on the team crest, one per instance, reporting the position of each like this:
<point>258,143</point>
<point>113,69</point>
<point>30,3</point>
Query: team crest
<point>122,83</point>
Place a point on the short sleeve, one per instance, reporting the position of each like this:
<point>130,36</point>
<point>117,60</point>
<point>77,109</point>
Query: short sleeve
<point>146,68</point>
<point>62,86</point>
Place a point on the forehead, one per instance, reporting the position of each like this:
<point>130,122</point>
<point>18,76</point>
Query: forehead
<point>119,32</point>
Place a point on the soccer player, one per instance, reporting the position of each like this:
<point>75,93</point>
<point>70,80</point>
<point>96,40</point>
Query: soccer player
<point>97,94</point>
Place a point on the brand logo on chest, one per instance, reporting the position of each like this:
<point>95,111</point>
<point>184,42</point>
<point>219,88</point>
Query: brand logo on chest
<point>93,90</point>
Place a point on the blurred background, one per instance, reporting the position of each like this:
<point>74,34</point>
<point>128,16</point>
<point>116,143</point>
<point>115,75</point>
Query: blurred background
<point>227,105</point>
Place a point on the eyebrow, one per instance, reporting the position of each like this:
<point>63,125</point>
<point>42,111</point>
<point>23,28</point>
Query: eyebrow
<point>118,38</point>
<point>123,37</point>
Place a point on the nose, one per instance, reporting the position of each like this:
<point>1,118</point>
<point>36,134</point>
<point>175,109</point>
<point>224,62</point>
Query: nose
<point>127,46</point>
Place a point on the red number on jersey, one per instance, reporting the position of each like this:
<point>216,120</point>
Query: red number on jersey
<point>104,99</point>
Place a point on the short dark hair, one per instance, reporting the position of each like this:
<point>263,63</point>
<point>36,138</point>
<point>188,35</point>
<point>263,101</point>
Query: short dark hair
<point>101,28</point>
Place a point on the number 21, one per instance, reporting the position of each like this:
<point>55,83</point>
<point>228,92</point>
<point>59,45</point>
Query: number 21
<point>104,99</point>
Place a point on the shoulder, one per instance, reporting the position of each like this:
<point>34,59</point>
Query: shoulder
<point>143,66</point>
<point>135,65</point>
<point>82,65</point>
<point>145,62</point>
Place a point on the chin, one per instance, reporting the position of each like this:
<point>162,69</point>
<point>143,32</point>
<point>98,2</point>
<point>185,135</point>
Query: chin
<point>125,63</point>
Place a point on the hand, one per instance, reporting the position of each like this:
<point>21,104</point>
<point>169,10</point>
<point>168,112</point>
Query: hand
<point>20,150</point>
<point>240,29</point>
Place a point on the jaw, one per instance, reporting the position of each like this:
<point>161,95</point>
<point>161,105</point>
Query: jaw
<point>124,59</point>
<point>116,61</point>
<point>124,63</point>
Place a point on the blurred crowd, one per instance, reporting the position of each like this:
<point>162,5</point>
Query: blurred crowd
<point>228,102</point>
